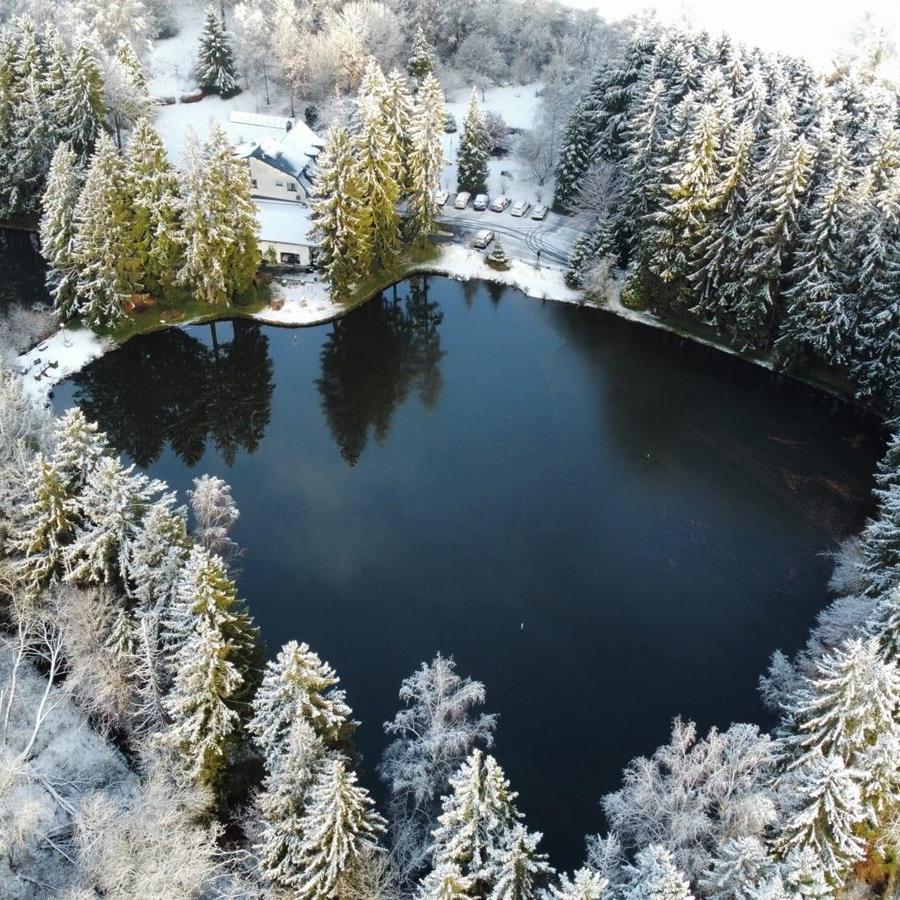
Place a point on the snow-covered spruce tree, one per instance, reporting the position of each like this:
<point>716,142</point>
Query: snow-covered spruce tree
<point>399,113</point>
<point>34,144</point>
<point>81,106</point>
<point>737,866</point>
<point>377,164</point>
<point>654,876</point>
<point>126,93</point>
<point>216,68</point>
<point>824,814</point>
<point>422,57</point>
<point>340,216</point>
<point>101,252</point>
<point>205,591</point>
<point>478,818</point>
<point>584,884</point>
<point>426,157</point>
<point>42,526</point>
<point>842,707</point>
<point>203,720</point>
<point>819,314</point>
<point>472,156</point>
<point>109,510</point>
<point>219,226</point>
<point>519,871</point>
<point>298,686</point>
<point>575,156</point>
<point>79,446</point>
<point>155,221</point>
<point>336,827</point>
<point>58,227</point>
<point>801,871</point>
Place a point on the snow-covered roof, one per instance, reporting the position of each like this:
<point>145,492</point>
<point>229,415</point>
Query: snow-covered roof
<point>279,123</point>
<point>291,153</point>
<point>284,222</point>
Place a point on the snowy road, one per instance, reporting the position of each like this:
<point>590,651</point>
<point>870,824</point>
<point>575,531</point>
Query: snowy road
<point>521,237</point>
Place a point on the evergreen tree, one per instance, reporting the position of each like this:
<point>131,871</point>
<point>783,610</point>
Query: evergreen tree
<point>446,882</point>
<point>340,216</point>
<point>801,871</point>
<point>826,813</point>
<point>42,526</point>
<point>819,313</point>
<point>848,700</point>
<point>519,871</point>
<point>655,876</point>
<point>203,722</point>
<point>298,686</point>
<point>575,156</point>
<point>337,826</point>
<point>155,222</point>
<point>219,226</point>
<point>82,108</point>
<point>216,68</point>
<point>57,228</point>
<point>478,818</point>
<point>109,510</point>
<point>426,159</point>
<point>737,866</point>
<point>34,144</point>
<point>422,57</point>
<point>100,250</point>
<point>474,145</point>
<point>378,161</point>
<point>78,448</point>
<point>399,113</point>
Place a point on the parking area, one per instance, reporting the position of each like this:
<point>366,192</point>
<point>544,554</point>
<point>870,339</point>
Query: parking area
<point>549,240</point>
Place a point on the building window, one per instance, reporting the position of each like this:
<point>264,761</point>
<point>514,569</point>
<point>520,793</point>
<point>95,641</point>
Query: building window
<point>279,184</point>
<point>292,187</point>
<point>253,182</point>
<point>290,259</point>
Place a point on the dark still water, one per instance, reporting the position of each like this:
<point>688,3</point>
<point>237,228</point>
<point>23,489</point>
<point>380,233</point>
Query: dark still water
<point>433,471</point>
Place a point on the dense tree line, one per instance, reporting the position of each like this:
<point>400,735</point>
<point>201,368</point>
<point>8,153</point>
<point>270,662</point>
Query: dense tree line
<point>131,225</point>
<point>747,192</point>
<point>53,92</point>
<point>390,152</point>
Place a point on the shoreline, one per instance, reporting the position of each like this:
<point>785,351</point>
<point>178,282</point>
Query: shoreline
<point>307,302</point>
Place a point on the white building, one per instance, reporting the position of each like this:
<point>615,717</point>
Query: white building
<point>280,153</point>
<point>285,233</point>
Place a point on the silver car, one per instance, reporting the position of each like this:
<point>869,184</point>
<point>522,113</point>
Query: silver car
<point>482,239</point>
<point>481,203</point>
<point>500,203</point>
<point>539,212</point>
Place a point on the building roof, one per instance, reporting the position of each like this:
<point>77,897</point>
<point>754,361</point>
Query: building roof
<point>284,222</point>
<point>258,120</point>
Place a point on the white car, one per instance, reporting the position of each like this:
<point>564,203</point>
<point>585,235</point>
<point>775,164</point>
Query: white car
<point>520,208</point>
<point>441,197</point>
<point>481,202</point>
<point>539,212</point>
<point>482,239</point>
<point>462,200</point>
<point>500,203</point>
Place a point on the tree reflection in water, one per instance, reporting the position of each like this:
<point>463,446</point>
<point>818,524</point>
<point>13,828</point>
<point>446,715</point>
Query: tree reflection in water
<point>371,361</point>
<point>172,388</point>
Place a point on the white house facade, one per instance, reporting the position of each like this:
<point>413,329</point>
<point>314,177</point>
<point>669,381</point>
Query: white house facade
<point>285,233</point>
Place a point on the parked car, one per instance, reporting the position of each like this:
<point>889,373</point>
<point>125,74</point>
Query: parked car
<point>481,203</point>
<point>520,209</point>
<point>539,212</point>
<point>462,200</point>
<point>500,203</point>
<point>441,197</point>
<point>483,238</point>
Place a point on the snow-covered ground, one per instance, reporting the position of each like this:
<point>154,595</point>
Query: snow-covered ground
<point>63,354</point>
<point>518,104</point>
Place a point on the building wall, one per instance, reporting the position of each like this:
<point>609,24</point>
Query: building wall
<point>300,251</point>
<point>269,182</point>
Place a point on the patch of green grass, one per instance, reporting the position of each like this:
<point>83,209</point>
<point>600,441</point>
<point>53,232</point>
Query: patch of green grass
<point>179,307</point>
<point>407,262</point>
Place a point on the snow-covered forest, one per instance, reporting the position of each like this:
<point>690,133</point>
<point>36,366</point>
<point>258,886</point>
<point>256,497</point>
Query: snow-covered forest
<point>748,193</point>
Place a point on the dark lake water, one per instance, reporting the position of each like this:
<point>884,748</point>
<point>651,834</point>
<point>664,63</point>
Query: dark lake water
<point>437,469</point>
